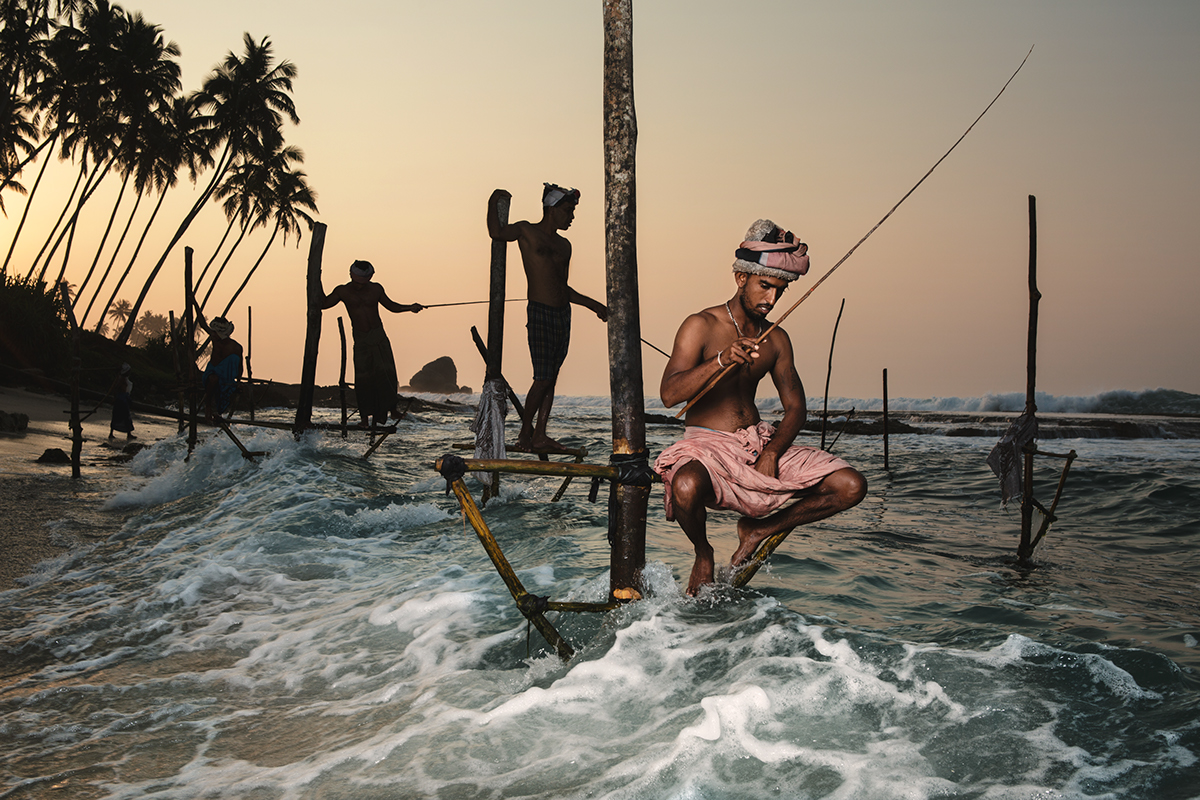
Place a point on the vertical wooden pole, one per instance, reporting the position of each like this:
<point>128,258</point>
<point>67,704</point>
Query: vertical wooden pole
<point>628,502</point>
<point>342,378</point>
<point>76,367</point>
<point>885,420</point>
<point>829,373</point>
<point>1025,548</point>
<point>312,338</point>
<point>499,272</point>
<point>189,323</point>
<point>249,370</point>
<point>176,327</point>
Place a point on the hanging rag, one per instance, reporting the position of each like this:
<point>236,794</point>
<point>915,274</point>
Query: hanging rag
<point>1007,457</point>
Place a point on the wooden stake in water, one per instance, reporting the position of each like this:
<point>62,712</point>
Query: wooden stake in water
<point>628,502</point>
<point>312,337</point>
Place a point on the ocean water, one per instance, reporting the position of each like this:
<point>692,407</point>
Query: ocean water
<point>317,625</point>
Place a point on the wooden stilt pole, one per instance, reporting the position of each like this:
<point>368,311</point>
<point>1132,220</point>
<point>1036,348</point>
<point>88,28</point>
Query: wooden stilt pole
<point>189,318</point>
<point>630,495</point>
<point>1025,548</point>
<point>342,377</point>
<point>76,366</point>
<point>829,373</point>
<point>179,379</point>
<point>249,369</point>
<point>885,420</point>
<point>312,338</point>
<point>499,267</point>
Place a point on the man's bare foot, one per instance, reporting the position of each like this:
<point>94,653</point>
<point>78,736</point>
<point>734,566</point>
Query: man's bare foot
<point>543,443</point>
<point>702,574</point>
<point>750,535</point>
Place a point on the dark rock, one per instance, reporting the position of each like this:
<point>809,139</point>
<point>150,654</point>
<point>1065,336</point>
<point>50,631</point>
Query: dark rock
<point>54,456</point>
<point>437,377</point>
<point>13,423</point>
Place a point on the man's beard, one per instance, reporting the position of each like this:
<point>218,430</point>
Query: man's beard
<point>752,313</point>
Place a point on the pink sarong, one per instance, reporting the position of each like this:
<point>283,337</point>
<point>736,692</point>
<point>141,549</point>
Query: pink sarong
<point>729,459</point>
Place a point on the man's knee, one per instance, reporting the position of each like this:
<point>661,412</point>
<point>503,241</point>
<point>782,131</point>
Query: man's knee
<point>849,485</point>
<point>690,485</point>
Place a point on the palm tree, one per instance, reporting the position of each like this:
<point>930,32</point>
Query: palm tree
<point>97,125</point>
<point>256,181</point>
<point>120,312</point>
<point>23,29</point>
<point>290,196</point>
<point>76,93</point>
<point>247,97</point>
<point>176,139</point>
<point>146,76</point>
<point>241,191</point>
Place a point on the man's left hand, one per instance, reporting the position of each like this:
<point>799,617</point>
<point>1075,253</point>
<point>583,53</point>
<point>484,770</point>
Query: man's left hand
<point>767,464</point>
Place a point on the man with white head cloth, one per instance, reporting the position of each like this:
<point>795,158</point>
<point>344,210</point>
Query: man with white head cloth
<point>375,382</point>
<point>546,257</point>
<point>729,458</point>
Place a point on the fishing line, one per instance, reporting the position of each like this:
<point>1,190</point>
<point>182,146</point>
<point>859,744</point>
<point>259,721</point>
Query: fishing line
<point>514,300</point>
<point>716,378</point>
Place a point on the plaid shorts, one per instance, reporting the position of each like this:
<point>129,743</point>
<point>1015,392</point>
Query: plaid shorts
<point>549,337</point>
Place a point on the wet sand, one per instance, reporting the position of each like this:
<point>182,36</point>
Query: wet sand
<point>47,513</point>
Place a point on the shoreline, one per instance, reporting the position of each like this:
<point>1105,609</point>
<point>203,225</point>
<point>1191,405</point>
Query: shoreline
<point>48,514</point>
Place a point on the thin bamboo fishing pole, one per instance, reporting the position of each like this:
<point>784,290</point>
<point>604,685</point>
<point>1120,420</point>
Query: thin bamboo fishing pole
<point>716,378</point>
<point>471,303</point>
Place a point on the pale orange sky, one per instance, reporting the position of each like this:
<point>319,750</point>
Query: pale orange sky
<point>819,116</point>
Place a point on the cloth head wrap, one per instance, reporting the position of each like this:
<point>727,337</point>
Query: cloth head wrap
<point>553,195</point>
<point>769,250</point>
<point>362,269</point>
<point>221,327</point>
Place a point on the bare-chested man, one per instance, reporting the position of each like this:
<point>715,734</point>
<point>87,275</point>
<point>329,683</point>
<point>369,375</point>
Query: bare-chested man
<point>729,458</point>
<point>224,366</point>
<point>375,382</point>
<point>547,259</point>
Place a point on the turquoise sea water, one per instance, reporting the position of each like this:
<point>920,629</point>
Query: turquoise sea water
<point>320,626</point>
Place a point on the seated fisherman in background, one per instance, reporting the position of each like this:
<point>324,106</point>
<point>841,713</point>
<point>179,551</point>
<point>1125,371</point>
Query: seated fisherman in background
<point>224,366</point>
<point>729,458</point>
<point>375,382</point>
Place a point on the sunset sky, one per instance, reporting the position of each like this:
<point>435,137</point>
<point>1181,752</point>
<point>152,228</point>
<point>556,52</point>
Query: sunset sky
<point>819,116</point>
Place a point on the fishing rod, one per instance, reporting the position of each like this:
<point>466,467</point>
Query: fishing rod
<point>470,303</point>
<point>716,378</point>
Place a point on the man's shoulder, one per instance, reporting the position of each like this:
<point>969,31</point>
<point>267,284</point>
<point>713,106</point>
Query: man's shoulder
<point>706,317</point>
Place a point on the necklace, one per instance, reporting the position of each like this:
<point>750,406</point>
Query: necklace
<point>734,321</point>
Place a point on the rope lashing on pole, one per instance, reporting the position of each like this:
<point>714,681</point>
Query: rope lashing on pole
<point>716,378</point>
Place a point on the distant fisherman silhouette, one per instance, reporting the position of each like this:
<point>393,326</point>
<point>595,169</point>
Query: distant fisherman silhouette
<point>375,381</point>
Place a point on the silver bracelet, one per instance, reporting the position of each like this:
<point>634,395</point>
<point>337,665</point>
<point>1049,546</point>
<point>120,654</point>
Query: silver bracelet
<point>719,364</point>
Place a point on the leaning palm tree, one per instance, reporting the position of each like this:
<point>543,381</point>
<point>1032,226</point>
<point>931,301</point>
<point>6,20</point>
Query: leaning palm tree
<point>290,197</point>
<point>241,191</point>
<point>24,27</point>
<point>85,112</point>
<point>258,184</point>
<point>146,76</point>
<point>176,140</point>
<point>248,97</point>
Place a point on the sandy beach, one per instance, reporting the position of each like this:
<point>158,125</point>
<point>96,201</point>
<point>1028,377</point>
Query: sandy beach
<point>48,514</point>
